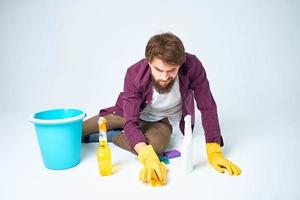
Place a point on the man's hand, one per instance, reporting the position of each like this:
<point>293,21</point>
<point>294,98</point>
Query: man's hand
<point>153,172</point>
<point>217,160</point>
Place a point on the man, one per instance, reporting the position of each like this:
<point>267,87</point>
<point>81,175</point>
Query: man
<point>159,91</point>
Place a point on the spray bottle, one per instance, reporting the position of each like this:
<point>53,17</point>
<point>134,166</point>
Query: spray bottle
<point>187,146</point>
<point>103,151</point>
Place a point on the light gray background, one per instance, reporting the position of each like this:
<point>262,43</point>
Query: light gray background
<point>61,54</point>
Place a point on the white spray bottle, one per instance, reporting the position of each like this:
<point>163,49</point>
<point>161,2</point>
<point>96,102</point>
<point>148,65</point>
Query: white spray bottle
<point>187,146</point>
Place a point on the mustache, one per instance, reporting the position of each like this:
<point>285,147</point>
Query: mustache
<point>163,89</point>
<point>169,79</point>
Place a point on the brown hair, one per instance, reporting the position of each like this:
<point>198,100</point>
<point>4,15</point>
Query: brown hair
<point>167,47</point>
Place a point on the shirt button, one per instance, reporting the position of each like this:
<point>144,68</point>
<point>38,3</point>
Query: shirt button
<point>114,112</point>
<point>146,101</point>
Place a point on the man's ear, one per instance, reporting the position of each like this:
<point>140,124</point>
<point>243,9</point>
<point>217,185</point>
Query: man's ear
<point>148,61</point>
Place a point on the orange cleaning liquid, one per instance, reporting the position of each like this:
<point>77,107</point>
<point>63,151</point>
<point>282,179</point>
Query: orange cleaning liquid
<point>103,151</point>
<point>104,161</point>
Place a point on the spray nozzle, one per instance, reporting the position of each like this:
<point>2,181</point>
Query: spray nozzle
<point>102,124</point>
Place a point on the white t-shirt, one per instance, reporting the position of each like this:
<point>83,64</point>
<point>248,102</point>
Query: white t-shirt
<point>164,105</point>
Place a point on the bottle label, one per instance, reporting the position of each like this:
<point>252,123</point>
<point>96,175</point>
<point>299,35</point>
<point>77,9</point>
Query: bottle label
<point>102,137</point>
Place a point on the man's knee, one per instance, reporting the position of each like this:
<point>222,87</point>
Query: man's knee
<point>114,121</point>
<point>159,142</point>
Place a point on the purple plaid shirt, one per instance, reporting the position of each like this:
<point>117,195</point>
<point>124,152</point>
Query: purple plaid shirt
<point>137,94</point>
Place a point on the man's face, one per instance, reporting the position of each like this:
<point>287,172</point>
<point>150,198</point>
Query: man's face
<point>163,75</point>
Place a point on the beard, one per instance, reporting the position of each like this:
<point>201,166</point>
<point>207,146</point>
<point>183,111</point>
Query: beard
<point>163,87</point>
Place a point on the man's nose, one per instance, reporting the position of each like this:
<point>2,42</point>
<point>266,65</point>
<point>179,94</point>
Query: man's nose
<point>164,76</point>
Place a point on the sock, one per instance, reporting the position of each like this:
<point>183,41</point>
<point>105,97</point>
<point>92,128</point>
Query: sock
<point>94,137</point>
<point>112,133</point>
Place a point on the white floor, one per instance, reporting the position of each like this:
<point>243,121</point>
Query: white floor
<point>269,161</point>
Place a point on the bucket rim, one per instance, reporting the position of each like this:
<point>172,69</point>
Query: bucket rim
<point>56,121</point>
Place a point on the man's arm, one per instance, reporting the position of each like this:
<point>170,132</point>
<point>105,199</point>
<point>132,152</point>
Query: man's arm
<point>205,102</point>
<point>153,171</point>
<point>132,99</point>
<point>207,106</point>
<point>139,146</point>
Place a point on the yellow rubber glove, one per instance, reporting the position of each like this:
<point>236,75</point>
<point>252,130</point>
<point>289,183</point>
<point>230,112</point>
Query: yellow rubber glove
<point>217,160</point>
<point>153,172</point>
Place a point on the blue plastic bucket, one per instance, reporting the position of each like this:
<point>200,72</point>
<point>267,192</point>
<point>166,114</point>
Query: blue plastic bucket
<point>59,136</point>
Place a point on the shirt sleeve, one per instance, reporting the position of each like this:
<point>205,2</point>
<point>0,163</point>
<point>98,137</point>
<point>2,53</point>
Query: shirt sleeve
<point>132,99</point>
<point>205,102</point>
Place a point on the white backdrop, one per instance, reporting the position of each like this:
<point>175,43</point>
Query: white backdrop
<point>75,54</point>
